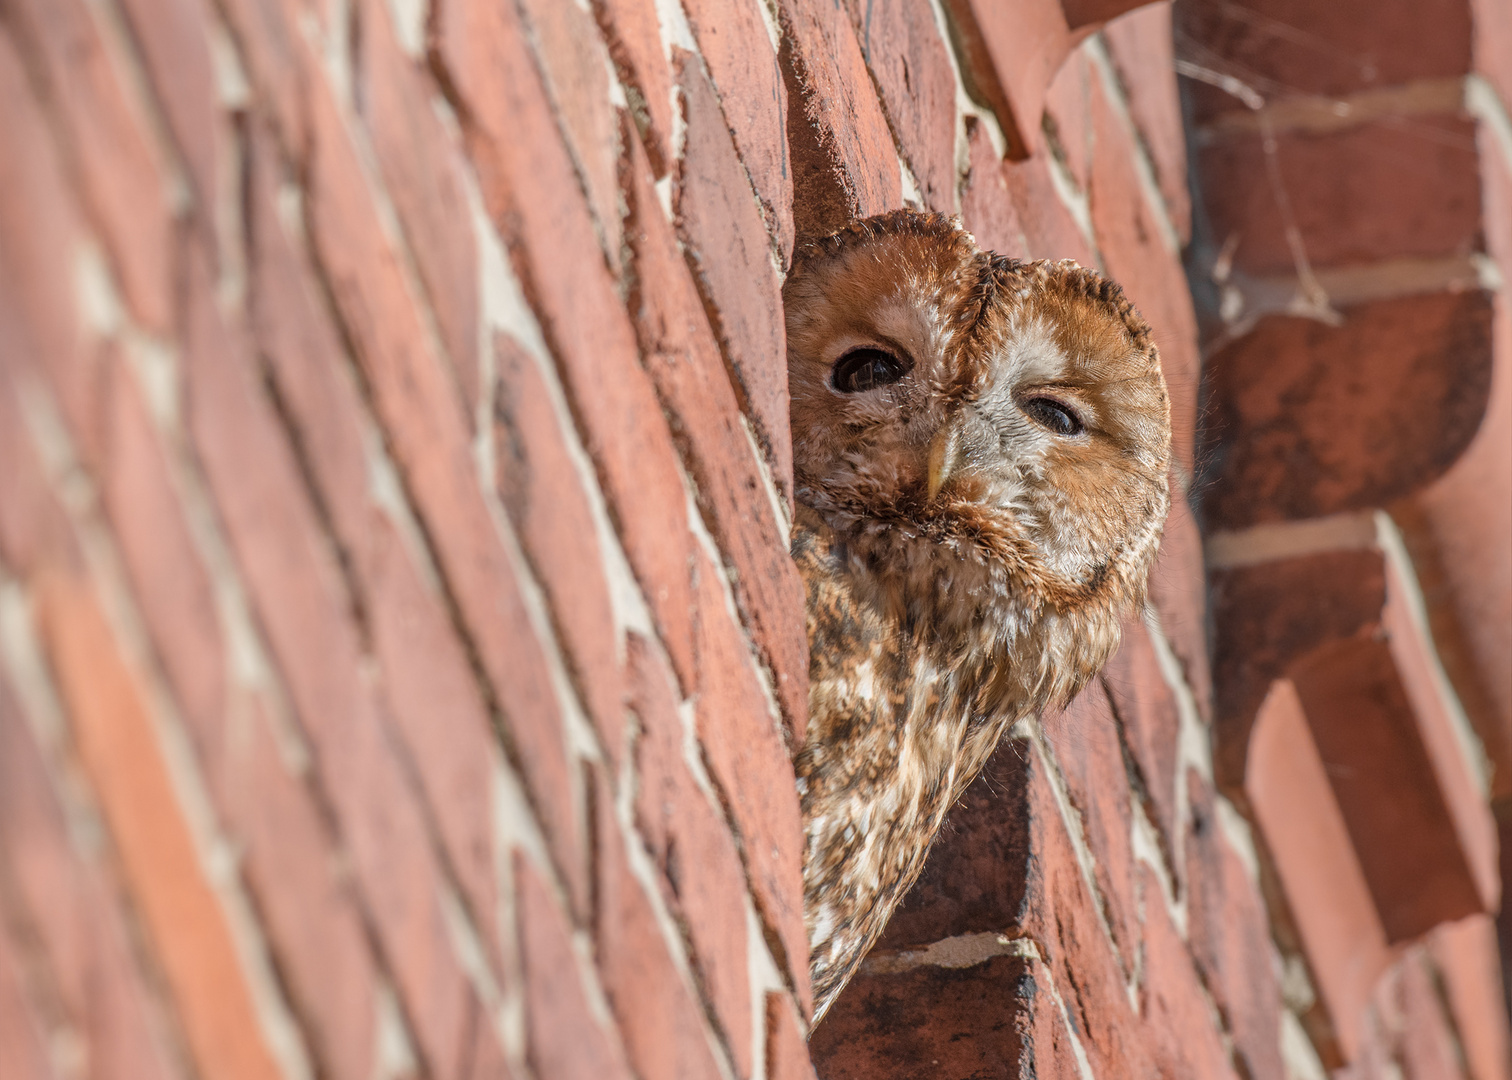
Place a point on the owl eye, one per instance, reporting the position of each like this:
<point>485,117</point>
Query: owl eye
<point>1049,413</point>
<point>866,369</point>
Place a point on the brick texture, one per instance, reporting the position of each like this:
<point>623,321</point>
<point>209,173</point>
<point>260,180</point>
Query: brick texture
<point>401,658</point>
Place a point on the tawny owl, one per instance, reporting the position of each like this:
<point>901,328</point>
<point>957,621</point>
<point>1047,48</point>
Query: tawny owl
<point>981,448</point>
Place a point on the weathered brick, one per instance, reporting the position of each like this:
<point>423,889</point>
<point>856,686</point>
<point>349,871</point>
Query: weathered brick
<point>1465,954</point>
<point>746,755</point>
<point>543,495</point>
<point>1141,47</point>
<point>1049,229</point>
<point>1329,51</point>
<point>691,845</point>
<point>172,586</point>
<point>733,40</point>
<point>174,37</point>
<point>119,752</point>
<point>1429,1047</point>
<point>529,187</point>
<point>33,530</point>
<point>565,1042</point>
<point>1318,419</point>
<point>314,927</point>
<point>422,166</point>
<point>124,182</point>
<point>844,164</point>
<point>62,904</point>
<point>787,1053</point>
<point>1067,131</point>
<point>1009,53</point>
<point>986,205</point>
<point>1344,212</point>
<point>1085,739</point>
<point>1178,591</point>
<point>1172,1000</point>
<point>1135,255</point>
<point>632,31</point>
<point>678,349</point>
<point>1149,722</point>
<point>659,1018</point>
<point>427,426</point>
<point>276,66</point>
<point>299,599</point>
<point>575,66</point>
<point>730,253</point>
<point>1230,939</point>
<point>901,44</point>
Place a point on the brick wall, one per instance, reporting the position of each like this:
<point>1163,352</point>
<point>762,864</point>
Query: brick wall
<point>399,652</point>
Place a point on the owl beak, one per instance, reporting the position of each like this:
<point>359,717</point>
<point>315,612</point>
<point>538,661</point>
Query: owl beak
<point>944,455</point>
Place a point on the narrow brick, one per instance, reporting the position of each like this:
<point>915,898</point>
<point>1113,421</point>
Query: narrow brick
<point>632,31</point>
<point>123,180</point>
<point>678,349</point>
<point>20,1031</point>
<point>70,918</point>
<point>422,166</point>
<point>1149,723</point>
<point>270,48</point>
<point>1465,954</point>
<point>733,40</point>
<point>1049,229</point>
<point>1178,590</point>
<point>690,842</point>
<point>564,1040</point>
<point>730,253</point>
<point>987,207</point>
<point>119,752</point>
<point>746,754</point>
<point>659,1020</point>
<point>787,1054</point>
<point>529,187</point>
<point>851,166</point>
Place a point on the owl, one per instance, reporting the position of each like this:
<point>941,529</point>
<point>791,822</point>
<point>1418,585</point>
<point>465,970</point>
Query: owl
<point>981,449</point>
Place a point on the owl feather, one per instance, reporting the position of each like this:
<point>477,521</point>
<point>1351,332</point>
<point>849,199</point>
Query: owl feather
<point>981,449</point>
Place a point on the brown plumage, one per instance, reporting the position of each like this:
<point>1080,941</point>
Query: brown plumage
<point>981,449</point>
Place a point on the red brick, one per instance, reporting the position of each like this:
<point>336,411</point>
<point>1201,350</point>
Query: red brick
<point>844,164</point>
<point>1173,1002</point>
<point>750,764</point>
<point>1083,14</point>
<point>1085,740</point>
<point>986,205</point>
<point>40,230</point>
<point>423,169</point>
<point>172,587</point>
<point>33,530</point>
<point>530,189</point>
<point>733,40</point>
<point>68,918</point>
<point>1230,939</point>
<point>933,1021</point>
<point>659,1019</point>
<point>564,1041</point>
<point>1140,44</point>
<point>1428,1048</point>
<point>1151,726</point>
<point>1465,955</point>
<point>269,46</point>
<point>299,599</point>
<point>1178,591</point>
<point>575,66</point>
<point>1331,51</point>
<point>119,752</point>
<point>1491,42</point>
<point>1068,127</point>
<point>1319,419</point>
<point>1343,206</point>
<point>315,929</point>
<point>678,349</point>
<point>1009,53</point>
<point>427,428</point>
<point>701,871</point>
<point>632,32</point>
<point>730,253</point>
<point>543,495</point>
<point>174,37</point>
<point>1049,229</point>
<point>1135,255</point>
<point>787,1053</point>
<point>20,1032</point>
<point>124,182</point>
<point>901,44</point>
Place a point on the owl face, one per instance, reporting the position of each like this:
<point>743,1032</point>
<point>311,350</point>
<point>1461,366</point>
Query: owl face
<point>993,408</point>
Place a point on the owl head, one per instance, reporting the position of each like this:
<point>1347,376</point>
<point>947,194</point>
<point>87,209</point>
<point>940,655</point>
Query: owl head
<point>952,409</point>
